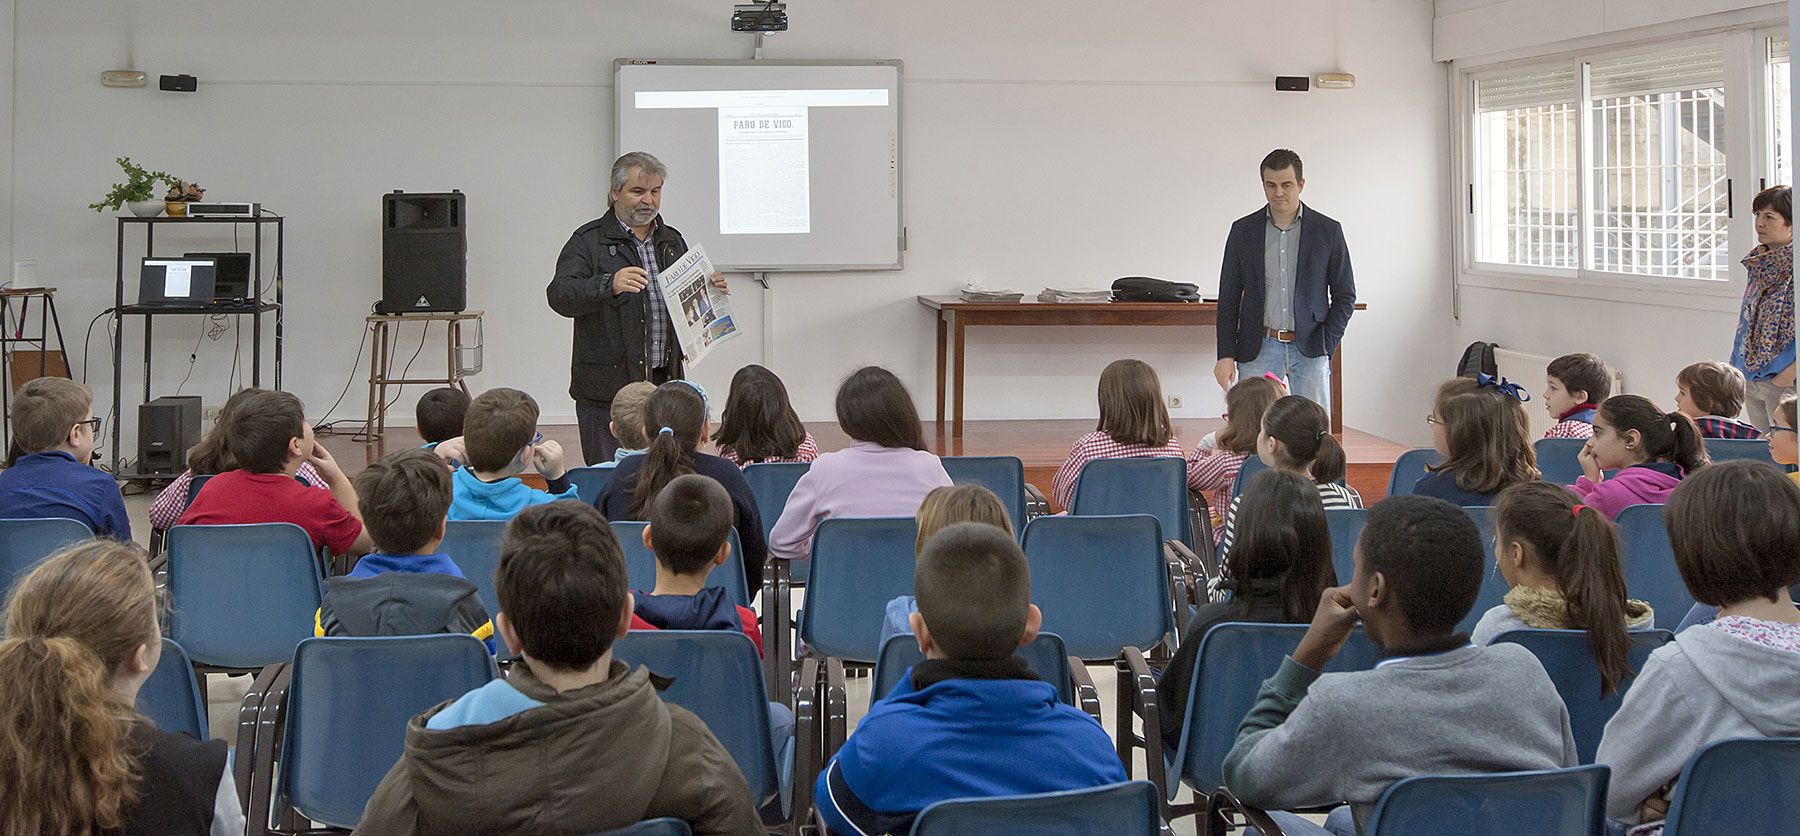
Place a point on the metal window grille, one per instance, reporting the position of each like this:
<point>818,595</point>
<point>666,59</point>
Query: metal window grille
<point>1528,127</point>
<point>1780,128</point>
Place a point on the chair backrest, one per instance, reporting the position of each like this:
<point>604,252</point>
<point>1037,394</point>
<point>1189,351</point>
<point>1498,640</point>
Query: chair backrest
<point>1740,785</point>
<point>640,562</point>
<point>171,696</point>
<point>1727,449</point>
<point>474,545</point>
<point>718,676</point>
<point>1101,582</point>
<point>771,482</point>
<point>1410,468</point>
<point>1493,584</point>
<point>1346,525</point>
<point>1650,573</point>
<point>242,595</point>
<point>1155,485</point>
<point>1046,656</point>
<point>1557,459</point>
<point>1128,808</point>
<point>24,542</point>
<point>589,481</point>
<point>664,826</point>
<point>348,706</point>
<point>1252,465</point>
<point>198,481</point>
<point>1004,475</point>
<point>1569,660</point>
<point>1233,660</point>
<point>1569,802</point>
<point>858,565</point>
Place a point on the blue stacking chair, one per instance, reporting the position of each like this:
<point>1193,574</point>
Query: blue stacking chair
<point>1493,584</point>
<point>1004,475</point>
<point>242,596</point>
<point>716,674</point>
<point>771,482</point>
<point>474,546</point>
<point>1728,449</point>
<point>858,566</point>
<point>1246,471</point>
<point>1346,525</point>
<point>1128,808</point>
<point>1557,459</point>
<point>1569,660</point>
<point>24,542</point>
<point>1746,785</point>
<point>1650,572</point>
<point>1568,802</point>
<point>1101,582</point>
<point>1233,660</point>
<point>589,481</point>
<point>1045,654</point>
<point>1156,486</point>
<point>664,826</point>
<point>640,563</point>
<point>171,696</point>
<point>344,717</point>
<point>1410,468</point>
<point>195,484</point>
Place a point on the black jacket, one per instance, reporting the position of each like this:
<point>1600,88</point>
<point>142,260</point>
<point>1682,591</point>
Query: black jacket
<point>178,782</point>
<point>1324,287</point>
<point>609,329</point>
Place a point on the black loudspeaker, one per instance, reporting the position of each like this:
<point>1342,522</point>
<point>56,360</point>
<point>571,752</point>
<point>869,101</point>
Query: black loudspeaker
<point>167,427</point>
<point>424,253</point>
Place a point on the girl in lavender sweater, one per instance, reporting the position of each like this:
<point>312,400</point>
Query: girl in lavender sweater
<point>1651,449</point>
<point>885,472</point>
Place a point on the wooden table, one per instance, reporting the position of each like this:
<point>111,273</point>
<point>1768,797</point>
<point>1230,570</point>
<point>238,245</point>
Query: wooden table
<point>381,360</point>
<point>954,314</point>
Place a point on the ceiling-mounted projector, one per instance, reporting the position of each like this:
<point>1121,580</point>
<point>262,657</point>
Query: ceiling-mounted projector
<point>759,17</point>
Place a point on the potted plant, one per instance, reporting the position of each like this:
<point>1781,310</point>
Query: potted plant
<point>137,193</point>
<point>180,194</point>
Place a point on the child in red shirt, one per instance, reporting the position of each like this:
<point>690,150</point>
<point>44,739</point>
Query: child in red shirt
<point>269,438</point>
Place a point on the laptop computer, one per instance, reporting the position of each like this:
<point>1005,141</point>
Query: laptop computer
<point>231,281</point>
<point>177,282</point>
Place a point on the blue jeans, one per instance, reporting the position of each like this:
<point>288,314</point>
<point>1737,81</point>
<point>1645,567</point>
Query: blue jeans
<point>1308,377</point>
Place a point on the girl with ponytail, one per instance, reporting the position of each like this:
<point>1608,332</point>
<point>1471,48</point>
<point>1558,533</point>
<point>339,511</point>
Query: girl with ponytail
<point>75,756</point>
<point>675,421</point>
<point>1296,437</point>
<point>1563,562</point>
<point>1652,450</point>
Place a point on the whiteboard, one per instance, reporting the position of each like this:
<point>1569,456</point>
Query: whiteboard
<point>773,165</point>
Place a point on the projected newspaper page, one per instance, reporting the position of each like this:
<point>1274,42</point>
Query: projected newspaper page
<point>702,312</point>
<point>763,172</point>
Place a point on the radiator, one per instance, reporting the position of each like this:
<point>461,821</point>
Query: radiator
<point>1527,370</point>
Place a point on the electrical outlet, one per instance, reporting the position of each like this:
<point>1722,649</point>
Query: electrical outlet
<point>1174,401</point>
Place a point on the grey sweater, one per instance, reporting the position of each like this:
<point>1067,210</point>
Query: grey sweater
<point>1704,686</point>
<point>1316,739</point>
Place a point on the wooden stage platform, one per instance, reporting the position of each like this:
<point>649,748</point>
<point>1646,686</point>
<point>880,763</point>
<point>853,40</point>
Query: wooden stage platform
<point>1041,445</point>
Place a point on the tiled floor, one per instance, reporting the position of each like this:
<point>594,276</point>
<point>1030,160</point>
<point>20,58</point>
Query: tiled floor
<point>224,694</point>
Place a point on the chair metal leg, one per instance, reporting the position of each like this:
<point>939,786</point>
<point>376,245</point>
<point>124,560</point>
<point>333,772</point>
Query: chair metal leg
<point>270,720</point>
<point>809,756</point>
<point>1137,698</point>
<point>778,645</point>
<point>1087,697</point>
<point>249,713</point>
<point>837,708</point>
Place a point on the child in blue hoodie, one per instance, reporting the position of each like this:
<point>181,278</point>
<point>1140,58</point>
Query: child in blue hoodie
<point>500,439</point>
<point>971,720</point>
<point>404,587</point>
<point>690,520</point>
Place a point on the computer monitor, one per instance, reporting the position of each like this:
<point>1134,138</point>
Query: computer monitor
<point>177,282</point>
<point>232,279</point>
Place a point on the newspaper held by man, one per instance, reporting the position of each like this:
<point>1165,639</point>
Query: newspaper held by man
<point>701,311</point>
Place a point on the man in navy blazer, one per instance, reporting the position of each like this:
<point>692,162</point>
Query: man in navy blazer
<point>1286,291</point>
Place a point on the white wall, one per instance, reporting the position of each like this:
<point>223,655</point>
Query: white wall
<point>6,145</point>
<point>1468,28</point>
<point>1066,146</point>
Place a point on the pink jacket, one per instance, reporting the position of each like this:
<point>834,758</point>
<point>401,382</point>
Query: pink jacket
<point>1635,485</point>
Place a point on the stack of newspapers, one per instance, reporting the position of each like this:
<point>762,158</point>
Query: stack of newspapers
<point>1079,294</point>
<point>973,292</point>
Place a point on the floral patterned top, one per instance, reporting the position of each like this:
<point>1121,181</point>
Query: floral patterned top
<point>1765,337</point>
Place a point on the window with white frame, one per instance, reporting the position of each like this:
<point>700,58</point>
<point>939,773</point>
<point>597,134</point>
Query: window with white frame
<point>1620,166</point>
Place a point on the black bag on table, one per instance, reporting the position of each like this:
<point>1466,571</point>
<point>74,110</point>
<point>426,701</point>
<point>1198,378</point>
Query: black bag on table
<point>1144,289</point>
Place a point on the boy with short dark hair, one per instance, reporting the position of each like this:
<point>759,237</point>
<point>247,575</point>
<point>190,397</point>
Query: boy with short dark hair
<point>269,438</point>
<point>1437,705</point>
<point>972,719</point>
<point>1712,393</point>
<point>54,429</point>
<point>571,733</point>
<point>689,523</point>
<point>404,587</point>
<point>439,414</point>
<point>500,439</point>
<point>1574,386</point>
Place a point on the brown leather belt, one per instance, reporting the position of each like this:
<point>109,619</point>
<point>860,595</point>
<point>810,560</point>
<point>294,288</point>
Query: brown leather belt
<point>1280,336</point>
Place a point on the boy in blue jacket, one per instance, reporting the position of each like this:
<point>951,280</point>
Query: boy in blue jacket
<point>971,720</point>
<point>500,439</point>
<point>54,428</point>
